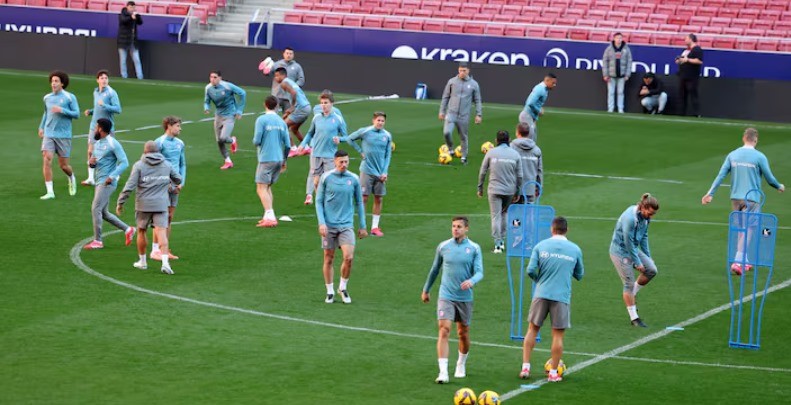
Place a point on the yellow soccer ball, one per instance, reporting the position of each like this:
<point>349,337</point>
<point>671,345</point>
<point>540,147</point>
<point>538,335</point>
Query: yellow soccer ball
<point>444,149</point>
<point>464,396</point>
<point>489,398</point>
<point>445,158</point>
<point>561,366</point>
<point>392,146</point>
<point>487,146</point>
<point>457,151</point>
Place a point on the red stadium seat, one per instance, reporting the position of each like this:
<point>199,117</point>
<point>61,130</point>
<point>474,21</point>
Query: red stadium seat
<point>596,15</point>
<point>740,23</point>
<point>566,22</point>
<point>174,9</point>
<point>211,6</point>
<point>768,45</point>
<point>658,18</point>
<point>553,12</point>
<point>678,40</point>
<point>716,30</point>
<point>579,34</point>
<point>515,31</point>
<point>737,4</point>
<point>747,44</point>
<point>474,28</point>
<point>520,2</point>
<point>502,18</point>
<point>716,3</point>
<point>720,22</point>
<point>771,15</point>
<point>56,3</point>
<point>404,12</point>
<point>557,33</point>
<point>665,9</point>
<point>616,16</point>
<point>599,36</point>
<point>783,25</point>
<point>748,14</point>
<point>432,5</point>
<point>754,33</point>
<point>491,9</point>
<point>727,13</point>
<point>332,19</point>
<point>731,31</point>
<point>690,28</point>
<point>154,8</point>
<point>678,19</point>
<point>607,24</point>
<point>115,6</point>
<point>540,3</point>
<point>640,38</point>
<point>524,19</point>
<point>586,23</point>
<point>785,16</point>
<point>353,21</point>
<point>724,43</point>
<point>454,27</point>
<point>423,13</point>
<point>494,29</point>
<point>434,26</point>
<point>411,24</point>
<point>303,6</point>
<point>637,17</point>
<point>393,23</point>
<point>444,15</point>
<point>511,9</point>
<point>322,7</point>
<point>499,2</point>
<point>78,4</point>
<point>390,4</point>
<point>686,11</point>
<point>669,27</point>
<point>311,19</point>
<point>661,39</point>
<point>36,3</point>
<point>373,22</point>
<point>762,24</point>
<point>293,18</point>
<point>574,13</point>
<point>201,13</point>
<point>342,8</point>
<point>96,5</point>
<point>543,20</point>
<point>471,8</point>
<point>531,10</point>
<point>413,4</point>
<point>705,42</point>
<point>450,6</point>
<point>533,32</point>
<point>628,26</point>
<point>757,4</point>
<point>700,20</point>
<point>645,8</point>
<point>785,47</point>
<point>779,5</point>
<point>369,3</point>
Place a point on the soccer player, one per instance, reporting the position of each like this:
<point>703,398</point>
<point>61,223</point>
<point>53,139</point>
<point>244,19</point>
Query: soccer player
<point>505,180</point>
<point>457,99</point>
<point>271,139</point>
<point>227,110</point>
<point>110,161</point>
<point>325,133</point>
<point>172,148</point>
<point>553,263</point>
<point>629,251</point>
<point>376,152</point>
<point>310,187</point>
<point>532,160</point>
<point>337,195</point>
<point>300,107</point>
<point>151,178</point>
<point>105,105</point>
<point>293,71</point>
<point>461,262</point>
<point>534,105</point>
<point>60,107</point>
<point>747,166</point>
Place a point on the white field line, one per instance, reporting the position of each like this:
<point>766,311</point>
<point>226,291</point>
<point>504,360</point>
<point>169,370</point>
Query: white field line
<point>600,176</point>
<point>640,342</point>
<point>77,260</point>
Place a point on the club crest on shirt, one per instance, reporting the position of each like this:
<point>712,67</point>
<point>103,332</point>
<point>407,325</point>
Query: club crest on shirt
<point>348,182</point>
<point>384,139</point>
<point>544,255</point>
<point>222,93</point>
<point>467,250</point>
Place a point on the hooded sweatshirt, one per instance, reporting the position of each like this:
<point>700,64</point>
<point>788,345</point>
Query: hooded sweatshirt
<point>151,176</point>
<point>532,161</point>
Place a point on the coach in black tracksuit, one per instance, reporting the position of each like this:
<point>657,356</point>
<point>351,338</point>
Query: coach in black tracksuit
<point>128,21</point>
<point>689,65</point>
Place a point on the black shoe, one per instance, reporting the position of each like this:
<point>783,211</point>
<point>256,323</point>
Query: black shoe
<point>639,322</point>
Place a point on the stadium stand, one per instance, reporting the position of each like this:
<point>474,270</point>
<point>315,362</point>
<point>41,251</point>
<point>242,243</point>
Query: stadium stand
<point>201,9</point>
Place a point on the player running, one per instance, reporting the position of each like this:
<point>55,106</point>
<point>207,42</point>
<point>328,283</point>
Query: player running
<point>227,110</point>
<point>461,262</point>
<point>376,152</point>
<point>300,107</point>
<point>534,105</point>
<point>629,251</point>
<point>293,71</point>
<point>172,148</point>
<point>105,105</point>
<point>457,99</point>
<point>324,134</point>
<point>60,107</point>
<point>747,166</point>
<point>553,263</point>
<point>272,141</point>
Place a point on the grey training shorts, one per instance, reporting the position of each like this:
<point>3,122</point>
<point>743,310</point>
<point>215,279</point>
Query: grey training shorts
<point>61,146</point>
<point>321,165</point>
<point>146,219</point>
<point>337,237</point>
<point>299,115</point>
<point>745,206</point>
<point>372,184</point>
<point>455,311</point>
<point>268,172</point>
<point>174,198</point>
<point>625,268</point>
<point>558,311</point>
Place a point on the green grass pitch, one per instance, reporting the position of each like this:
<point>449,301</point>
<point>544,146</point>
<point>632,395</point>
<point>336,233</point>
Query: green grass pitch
<point>243,319</point>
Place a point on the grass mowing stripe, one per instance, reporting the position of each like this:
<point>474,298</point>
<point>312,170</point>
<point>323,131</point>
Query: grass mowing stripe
<point>642,341</point>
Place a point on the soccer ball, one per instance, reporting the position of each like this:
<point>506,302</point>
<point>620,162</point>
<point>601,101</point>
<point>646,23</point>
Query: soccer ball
<point>392,146</point>
<point>445,158</point>
<point>561,366</point>
<point>489,398</point>
<point>266,65</point>
<point>444,149</point>
<point>464,396</point>
<point>457,151</point>
<point>487,146</point>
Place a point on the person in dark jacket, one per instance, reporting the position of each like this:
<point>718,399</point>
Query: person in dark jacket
<point>690,63</point>
<point>128,21</point>
<point>652,94</point>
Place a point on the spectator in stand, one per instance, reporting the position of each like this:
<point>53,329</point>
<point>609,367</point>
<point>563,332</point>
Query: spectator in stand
<point>652,94</point>
<point>689,65</point>
<point>616,68</point>
<point>128,21</point>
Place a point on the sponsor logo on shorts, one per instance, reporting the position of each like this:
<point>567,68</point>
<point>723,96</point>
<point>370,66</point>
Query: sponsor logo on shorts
<point>441,313</point>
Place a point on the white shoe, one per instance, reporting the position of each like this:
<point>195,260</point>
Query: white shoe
<point>330,299</point>
<point>345,296</point>
<point>461,371</point>
<point>88,182</point>
<point>72,187</point>
<point>140,265</point>
<point>166,269</point>
<point>48,196</point>
<point>442,378</point>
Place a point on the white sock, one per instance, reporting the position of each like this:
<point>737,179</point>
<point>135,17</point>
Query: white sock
<point>553,372</point>
<point>165,260</point>
<point>376,221</point>
<point>462,358</point>
<point>155,247</point>
<point>90,173</point>
<point>49,187</point>
<point>343,283</point>
<point>636,288</point>
<point>330,288</point>
<point>443,365</point>
<point>526,366</point>
<point>142,258</point>
<point>71,178</point>
<point>632,312</point>
<point>228,159</point>
<point>739,257</point>
<point>269,214</point>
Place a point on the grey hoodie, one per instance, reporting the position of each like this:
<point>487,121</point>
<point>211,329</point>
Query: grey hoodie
<point>506,171</point>
<point>532,161</point>
<point>458,97</point>
<point>151,176</point>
